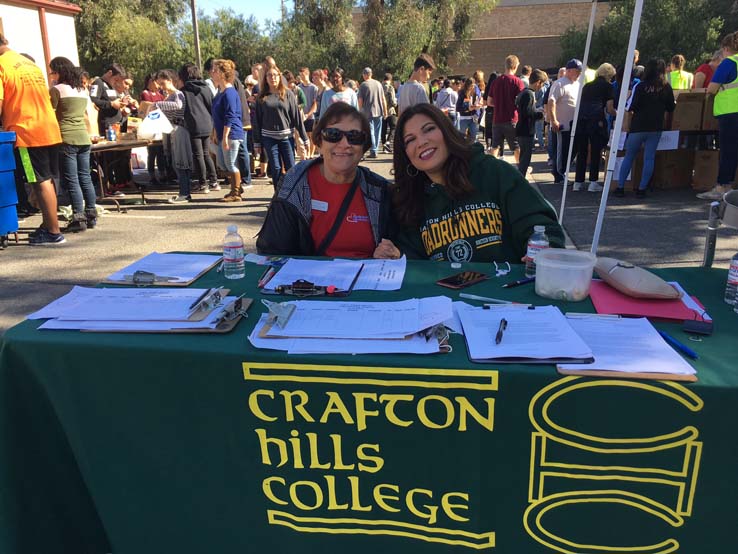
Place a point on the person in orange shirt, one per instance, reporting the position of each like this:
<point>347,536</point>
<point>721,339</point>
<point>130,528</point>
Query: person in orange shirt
<point>25,108</point>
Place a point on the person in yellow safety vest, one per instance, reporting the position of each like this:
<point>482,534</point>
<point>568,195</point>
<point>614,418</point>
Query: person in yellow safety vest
<point>724,86</point>
<point>678,78</point>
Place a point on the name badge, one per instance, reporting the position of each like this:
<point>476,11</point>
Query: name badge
<point>319,205</point>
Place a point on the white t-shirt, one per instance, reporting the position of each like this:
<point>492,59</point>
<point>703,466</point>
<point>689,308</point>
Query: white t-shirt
<point>411,93</point>
<point>565,94</point>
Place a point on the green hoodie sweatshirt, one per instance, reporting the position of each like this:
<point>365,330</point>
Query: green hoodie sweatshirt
<point>493,223</point>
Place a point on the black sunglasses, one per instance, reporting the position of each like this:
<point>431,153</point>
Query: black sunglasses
<point>331,134</point>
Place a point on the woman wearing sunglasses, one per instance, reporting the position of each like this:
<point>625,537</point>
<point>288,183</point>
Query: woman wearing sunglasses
<point>330,206</point>
<point>454,203</point>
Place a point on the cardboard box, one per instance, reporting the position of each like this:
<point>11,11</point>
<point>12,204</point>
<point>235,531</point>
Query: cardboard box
<point>709,123</point>
<point>688,112</point>
<point>673,169</point>
<point>705,169</point>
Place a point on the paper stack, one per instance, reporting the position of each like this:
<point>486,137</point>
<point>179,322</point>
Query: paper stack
<point>325,327</point>
<point>130,309</point>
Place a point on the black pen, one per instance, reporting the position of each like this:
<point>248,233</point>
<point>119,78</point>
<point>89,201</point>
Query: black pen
<point>200,298</point>
<point>356,278</point>
<point>518,282</point>
<point>500,330</point>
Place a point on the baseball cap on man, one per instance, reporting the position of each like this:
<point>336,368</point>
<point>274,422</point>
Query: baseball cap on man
<point>574,64</point>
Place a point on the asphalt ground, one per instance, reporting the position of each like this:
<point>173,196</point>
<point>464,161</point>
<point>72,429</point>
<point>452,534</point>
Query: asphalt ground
<point>665,229</point>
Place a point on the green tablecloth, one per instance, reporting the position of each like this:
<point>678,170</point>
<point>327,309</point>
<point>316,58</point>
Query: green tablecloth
<point>138,444</point>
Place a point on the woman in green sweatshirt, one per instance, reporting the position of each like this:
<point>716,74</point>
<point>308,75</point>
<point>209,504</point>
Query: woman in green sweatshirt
<point>454,203</point>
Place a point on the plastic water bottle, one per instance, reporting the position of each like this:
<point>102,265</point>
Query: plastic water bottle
<point>233,264</point>
<point>537,242</point>
<point>732,284</point>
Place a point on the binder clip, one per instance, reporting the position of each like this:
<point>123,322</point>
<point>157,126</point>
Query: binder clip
<point>279,312</point>
<point>501,271</point>
<point>233,310</point>
<point>210,299</point>
<point>142,278</point>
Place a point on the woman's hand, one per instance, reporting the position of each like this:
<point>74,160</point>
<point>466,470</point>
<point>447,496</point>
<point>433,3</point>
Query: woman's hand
<point>386,250</point>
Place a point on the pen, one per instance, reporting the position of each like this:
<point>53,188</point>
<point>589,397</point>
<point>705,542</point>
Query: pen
<point>679,346</point>
<point>500,330</point>
<point>356,278</point>
<point>266,276</point>
<point>484,298</point>
<point>200,298</point>
<point>518,282</point>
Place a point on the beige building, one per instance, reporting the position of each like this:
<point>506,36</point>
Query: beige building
<point>530,29</point>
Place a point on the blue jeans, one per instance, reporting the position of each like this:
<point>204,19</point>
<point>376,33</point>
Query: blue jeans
<point>75,174</point>
<point>375,126</point>
<point>539,133</point>
<point>471,125</point>
<point>227,158</point>
<point>276,151</point>
<point>633,142</point>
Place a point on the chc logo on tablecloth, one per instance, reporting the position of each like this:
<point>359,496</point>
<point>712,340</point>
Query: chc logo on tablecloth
<point>654,476</point>
<point>342,463</point>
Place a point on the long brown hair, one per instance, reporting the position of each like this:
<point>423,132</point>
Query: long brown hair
<point>264,89</point>
<point>410,183</point>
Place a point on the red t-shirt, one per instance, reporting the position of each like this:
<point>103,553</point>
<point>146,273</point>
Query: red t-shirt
<point>354,238</point>
<point>708,71</point>
<point>503,91</point>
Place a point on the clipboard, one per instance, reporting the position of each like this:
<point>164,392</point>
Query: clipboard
<point>223,327</point>
<point>616,374</point>
<point>145,278</point>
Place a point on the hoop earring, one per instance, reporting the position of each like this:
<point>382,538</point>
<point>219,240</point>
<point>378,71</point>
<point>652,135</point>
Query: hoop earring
<point>407,170</point>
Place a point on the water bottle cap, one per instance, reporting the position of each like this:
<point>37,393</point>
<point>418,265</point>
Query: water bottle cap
<point>539,228</point>
<point>232,229</point>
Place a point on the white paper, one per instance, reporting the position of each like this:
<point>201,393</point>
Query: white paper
<point>454,323</point>
<point>381,274</point>
<point>133,304</point>
<point>541,335</point>
<point>629,345</point>
<point>360,320</point>
<point>133,326</point>
<point>183,267</point>
<point>256,259</point>
<point>375,274</point>
<point>688,301</point>
<point>416,344</point>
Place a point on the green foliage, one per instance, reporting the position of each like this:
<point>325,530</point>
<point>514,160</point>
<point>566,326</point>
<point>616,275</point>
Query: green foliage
<point>688,27</point>
<point>131,33</point>
<point>396,31</point>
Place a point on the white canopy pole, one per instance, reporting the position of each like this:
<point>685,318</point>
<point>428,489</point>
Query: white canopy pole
<point>615,140</point>
<point>576,109</point>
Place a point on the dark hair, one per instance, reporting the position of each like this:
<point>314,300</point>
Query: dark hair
<point>423,61</point>
<point>408,197</point>
<point>167,74</point>
<point>288,76</point>
<point>337,112</point>
<point>469,87</point>
<point>208,64</point>
<point>446,83</point>
<point>68,73</point>
<point>654,76</point>
<point>189,72</point>
<point>388,76</point>
<point>147,80</point>
<point>3,40</point>
<point>116,69</point>
<point>538,75</point>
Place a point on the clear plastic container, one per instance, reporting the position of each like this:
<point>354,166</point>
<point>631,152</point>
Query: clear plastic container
<point>564,274</point>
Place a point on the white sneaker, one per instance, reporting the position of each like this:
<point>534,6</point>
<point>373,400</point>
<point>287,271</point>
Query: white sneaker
<point>716,193</point>
<point>577,187</point>
<point>594,186</point>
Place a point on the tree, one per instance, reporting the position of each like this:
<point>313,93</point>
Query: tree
<point>667,27</point>
<point>396,31</point>
<point>134,34</point>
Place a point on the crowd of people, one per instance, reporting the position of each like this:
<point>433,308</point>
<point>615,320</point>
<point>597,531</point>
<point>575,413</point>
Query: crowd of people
<point>453,197</point>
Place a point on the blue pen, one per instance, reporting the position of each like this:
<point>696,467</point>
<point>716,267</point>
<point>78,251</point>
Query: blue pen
<point>679,346</point>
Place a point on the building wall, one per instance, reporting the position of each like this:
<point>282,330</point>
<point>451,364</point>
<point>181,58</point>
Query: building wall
<point>22,27</point>
<point>530,30</point>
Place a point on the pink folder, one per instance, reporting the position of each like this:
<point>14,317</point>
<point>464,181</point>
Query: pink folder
<point>608,300</point>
